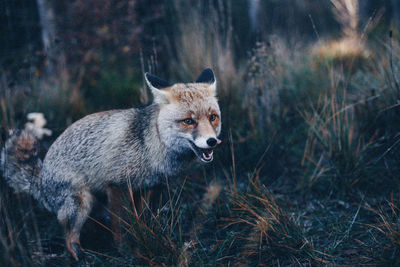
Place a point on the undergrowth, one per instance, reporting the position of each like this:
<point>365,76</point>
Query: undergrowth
<point>307,175</point>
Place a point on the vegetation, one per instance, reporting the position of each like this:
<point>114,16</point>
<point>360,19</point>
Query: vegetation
<point>309,170</point>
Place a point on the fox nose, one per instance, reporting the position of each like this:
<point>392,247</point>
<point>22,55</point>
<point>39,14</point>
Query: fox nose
<point>211,142</point>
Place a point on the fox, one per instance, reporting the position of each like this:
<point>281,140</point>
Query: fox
<point>139,147</point>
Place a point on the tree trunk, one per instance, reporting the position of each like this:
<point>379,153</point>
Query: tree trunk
<point>254,6</point>
<point>54,55</point>
<point>396,12</point>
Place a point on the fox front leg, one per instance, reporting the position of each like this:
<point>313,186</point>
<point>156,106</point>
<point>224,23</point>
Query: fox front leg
<point>120,205</point>
<point>115,206</point>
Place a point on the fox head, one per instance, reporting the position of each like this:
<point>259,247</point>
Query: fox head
<point>189,117</point>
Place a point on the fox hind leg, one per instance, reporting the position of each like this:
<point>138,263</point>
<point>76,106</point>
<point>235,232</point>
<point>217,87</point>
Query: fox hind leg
<point>73,214</point>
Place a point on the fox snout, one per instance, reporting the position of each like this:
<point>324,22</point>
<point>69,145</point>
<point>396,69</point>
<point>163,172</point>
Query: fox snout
<point>207,142</point>
<point>203,148</point>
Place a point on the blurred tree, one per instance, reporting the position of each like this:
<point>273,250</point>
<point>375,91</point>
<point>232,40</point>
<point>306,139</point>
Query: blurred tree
<point>254,8</point>
<point>93,27</point>
<point>20,42</point>
<point>396,11</point>
<point>54,55</point>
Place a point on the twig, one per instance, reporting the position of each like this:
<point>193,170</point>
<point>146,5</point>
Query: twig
<point>350,226</point>
<point>388,150</point>
<point>313,25</point>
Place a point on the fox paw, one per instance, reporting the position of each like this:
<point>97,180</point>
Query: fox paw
<point>76,251</point>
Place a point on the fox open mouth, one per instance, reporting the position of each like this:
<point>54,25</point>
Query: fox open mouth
<point>205,154</point>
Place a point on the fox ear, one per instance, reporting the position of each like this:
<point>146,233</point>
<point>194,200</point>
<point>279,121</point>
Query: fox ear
<point>207,76</point>
<point>156,85</point>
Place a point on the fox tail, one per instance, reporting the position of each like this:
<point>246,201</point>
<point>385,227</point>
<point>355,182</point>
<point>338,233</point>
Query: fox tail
<point>20,162</point>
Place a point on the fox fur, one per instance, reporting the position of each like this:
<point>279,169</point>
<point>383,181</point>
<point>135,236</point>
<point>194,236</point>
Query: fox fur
<point>137,146</point>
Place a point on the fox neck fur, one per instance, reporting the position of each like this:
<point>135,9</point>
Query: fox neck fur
<point>165,156</point>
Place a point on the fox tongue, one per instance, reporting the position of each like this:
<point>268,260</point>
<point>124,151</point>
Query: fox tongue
<point>207,154</point>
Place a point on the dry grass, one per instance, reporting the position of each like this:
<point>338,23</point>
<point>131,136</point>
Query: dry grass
<point>266,233</point>
<point>389,222</point>
<point>349,53</point>
<point>335,145</point>
<point>387,227</point>
<point>346,13</point>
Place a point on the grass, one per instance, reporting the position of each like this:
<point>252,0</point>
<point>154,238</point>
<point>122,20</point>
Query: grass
<point>347,53</point>
<point>387,225</point>
<point>308,173</point>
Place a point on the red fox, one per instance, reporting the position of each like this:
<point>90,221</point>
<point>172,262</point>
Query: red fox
<point>139,145</point>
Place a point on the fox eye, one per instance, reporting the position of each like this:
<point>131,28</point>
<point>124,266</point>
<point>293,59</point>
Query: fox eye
<point>189,121</point>
<point>213,117</point>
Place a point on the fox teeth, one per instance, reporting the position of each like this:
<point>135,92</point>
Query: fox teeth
<point>207,156</point>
